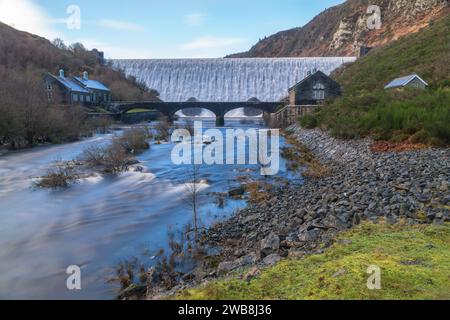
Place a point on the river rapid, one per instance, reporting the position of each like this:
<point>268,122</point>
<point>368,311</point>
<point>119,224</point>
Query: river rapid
<point>99,221</point>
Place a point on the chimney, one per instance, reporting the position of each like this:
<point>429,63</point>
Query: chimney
<point>61,73</point>
<point>85,76</point>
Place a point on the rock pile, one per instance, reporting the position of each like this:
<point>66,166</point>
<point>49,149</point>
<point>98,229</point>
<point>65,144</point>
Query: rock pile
<point>298,220</point>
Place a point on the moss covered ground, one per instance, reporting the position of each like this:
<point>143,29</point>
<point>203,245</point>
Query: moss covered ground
<point>414,263</point>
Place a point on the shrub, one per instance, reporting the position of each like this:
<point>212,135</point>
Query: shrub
<point>116,159</point>
<point>423,115</point>
<point>163,129</point>
<point>112,159</point>
<point>135,140</point>
<point>58,178</point>
<point>309,121</point>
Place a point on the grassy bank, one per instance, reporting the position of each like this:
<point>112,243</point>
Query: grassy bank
<point>397,116</point>
<point>414,263</point>
<point>415,115</point>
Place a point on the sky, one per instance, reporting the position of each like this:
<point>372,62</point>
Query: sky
<point>161,28</point>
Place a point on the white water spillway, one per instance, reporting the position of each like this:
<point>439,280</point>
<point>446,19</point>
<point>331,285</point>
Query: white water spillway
<point>225,80</point>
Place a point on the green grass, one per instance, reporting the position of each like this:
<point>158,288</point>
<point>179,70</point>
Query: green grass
<point>366,109</point>
<point>388,115</point>
<point>138,110</point>
<point>414,262</point>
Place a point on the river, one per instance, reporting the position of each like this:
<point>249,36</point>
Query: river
<point>97,222</point>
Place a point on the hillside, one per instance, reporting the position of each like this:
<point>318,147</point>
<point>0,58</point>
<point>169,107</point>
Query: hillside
<point>20,50</point>
<point>340,30</point>
<point>426,53</point>
<point>26,118</point>
<point>408,116</point>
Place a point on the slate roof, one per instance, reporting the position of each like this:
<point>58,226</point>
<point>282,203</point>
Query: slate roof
<point>70,84</point>
<point>306,78</point>
<point>403,81</point>
<point>92,84</point>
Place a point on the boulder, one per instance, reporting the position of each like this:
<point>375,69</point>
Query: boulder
<point>227,266</point>
<point>237,192</point>
<point>270,245</point>
<point>272,259</point>
<point>309,235</point>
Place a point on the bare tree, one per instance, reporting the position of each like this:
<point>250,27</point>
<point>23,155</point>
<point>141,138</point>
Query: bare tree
<point>59,43</point>
<point>192,198</point>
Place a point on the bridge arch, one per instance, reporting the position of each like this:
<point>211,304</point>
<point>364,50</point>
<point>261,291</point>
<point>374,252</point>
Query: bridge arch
<point>195,112</point>
<point>245,112</point>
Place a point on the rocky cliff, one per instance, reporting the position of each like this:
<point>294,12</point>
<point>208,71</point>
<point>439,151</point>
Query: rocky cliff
<point>343,29</point>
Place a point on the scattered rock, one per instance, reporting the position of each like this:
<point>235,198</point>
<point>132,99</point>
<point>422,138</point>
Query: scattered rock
<point>272,259</point>
<point>253,273</point>
<point>133,292</point>
<point>270,245</point>
<point>309,236</point>
<point>226,267</point>
<point>237,192</point>
<point>361,185</point>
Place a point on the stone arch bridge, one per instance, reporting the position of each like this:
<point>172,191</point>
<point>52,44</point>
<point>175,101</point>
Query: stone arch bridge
<point>220,109</point>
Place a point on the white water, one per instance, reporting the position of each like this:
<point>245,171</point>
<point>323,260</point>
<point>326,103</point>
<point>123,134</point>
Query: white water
<point>227,80</point>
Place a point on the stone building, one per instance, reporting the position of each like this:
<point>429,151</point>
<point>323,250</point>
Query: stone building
<point>314,90</point>
<point>101,95</point>
<point>64,90</point>
<point>76,91</point>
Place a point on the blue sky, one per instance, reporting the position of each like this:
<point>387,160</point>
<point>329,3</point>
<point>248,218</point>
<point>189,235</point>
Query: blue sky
<point>163,28</point>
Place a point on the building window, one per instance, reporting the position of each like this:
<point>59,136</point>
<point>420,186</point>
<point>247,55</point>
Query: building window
<point>50,96</point>
<point>49,86</point>
<point>319,91</point>
<point>75,97</point>
<point>88,98</point>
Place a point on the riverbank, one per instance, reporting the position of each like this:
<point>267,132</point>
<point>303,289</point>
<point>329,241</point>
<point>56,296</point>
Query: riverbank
<point>413,260</point>
<point>409,187</point>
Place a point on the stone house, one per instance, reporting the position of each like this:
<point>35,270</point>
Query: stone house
<point>101,94</point>
<point>75,91</point>
<point>314,90</point>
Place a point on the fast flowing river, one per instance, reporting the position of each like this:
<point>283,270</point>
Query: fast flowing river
<point>97,222</point>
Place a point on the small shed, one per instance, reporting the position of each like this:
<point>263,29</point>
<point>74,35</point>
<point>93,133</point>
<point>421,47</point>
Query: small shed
<point>411,81</point>
<point>314,90</point>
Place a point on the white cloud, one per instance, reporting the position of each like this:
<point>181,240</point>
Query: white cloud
<point>195,19</point>
<point>120,25</point>
<point>27,16</point>
<point>211,43</point>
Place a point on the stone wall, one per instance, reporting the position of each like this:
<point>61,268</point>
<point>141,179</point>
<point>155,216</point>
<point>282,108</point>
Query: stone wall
<point>329,149</point>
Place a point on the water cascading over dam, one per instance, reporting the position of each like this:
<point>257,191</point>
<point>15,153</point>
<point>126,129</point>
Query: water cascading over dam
<point>225,80</point>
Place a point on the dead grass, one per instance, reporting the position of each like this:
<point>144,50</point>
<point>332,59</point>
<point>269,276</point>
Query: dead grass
<point>258,191</point>
<point>299,156</point>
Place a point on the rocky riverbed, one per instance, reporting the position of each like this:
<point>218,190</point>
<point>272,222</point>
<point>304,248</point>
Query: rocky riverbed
<point>412,187</point>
